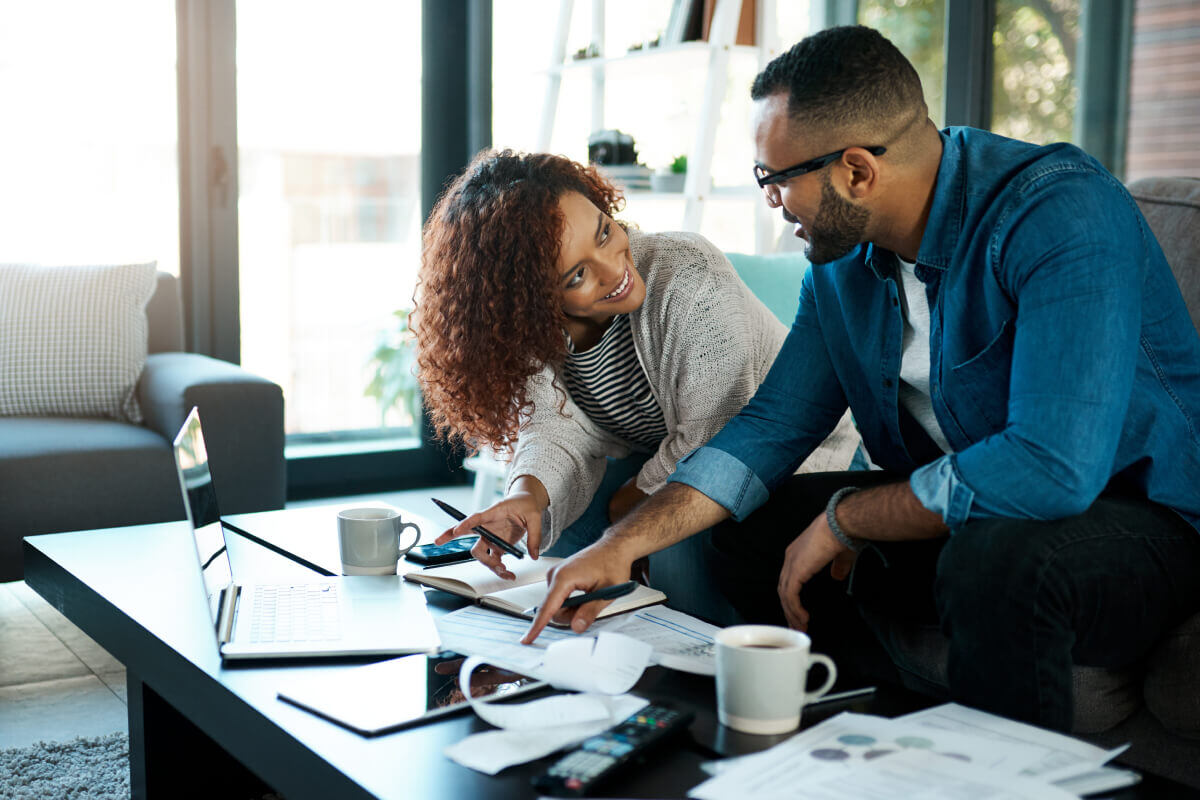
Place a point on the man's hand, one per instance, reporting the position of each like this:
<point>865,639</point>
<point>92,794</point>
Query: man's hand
<point>519,514</point>
<point>594,567</point>
<point>668,516</point>
<point>805,557</point>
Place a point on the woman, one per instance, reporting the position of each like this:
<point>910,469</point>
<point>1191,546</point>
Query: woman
<point>597,354</point>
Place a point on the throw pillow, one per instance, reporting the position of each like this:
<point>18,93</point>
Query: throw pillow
<point>73,339</point>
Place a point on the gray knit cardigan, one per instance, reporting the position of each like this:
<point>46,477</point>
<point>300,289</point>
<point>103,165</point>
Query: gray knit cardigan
<point>705,342</point>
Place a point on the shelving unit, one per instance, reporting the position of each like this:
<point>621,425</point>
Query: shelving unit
<point>698,188</point>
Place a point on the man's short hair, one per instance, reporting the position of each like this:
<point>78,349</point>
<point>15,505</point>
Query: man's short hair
<point>844,77</point>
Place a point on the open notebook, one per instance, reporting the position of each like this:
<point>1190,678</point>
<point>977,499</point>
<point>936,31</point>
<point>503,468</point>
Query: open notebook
<point>475,581</point>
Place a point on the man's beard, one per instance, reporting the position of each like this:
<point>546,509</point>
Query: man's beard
<point>838,228</point>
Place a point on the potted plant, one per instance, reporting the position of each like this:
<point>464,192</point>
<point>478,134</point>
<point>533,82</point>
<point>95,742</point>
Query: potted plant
<point>393,381</point>
<point>671,178</point>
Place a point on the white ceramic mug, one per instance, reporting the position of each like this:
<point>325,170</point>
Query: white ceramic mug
<point>761,672</point>
<point>369,540</point>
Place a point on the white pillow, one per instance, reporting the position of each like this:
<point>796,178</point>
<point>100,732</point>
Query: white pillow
<point>73,339</point>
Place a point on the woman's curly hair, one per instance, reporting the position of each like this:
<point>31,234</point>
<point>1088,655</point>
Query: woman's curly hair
<point>488,310</point>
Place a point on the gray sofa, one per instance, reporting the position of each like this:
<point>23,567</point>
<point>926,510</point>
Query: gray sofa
<point>1156,704</point>
<point>62,474</point>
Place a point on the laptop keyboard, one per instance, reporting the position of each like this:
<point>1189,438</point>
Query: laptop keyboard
<point>302,613</point>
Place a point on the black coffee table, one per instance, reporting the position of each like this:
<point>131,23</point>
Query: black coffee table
<point>200,728</point>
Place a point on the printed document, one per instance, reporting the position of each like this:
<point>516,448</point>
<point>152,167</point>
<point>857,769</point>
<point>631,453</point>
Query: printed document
<point>858,755</point>
<point>680,641</point>
<point>1060,757</point>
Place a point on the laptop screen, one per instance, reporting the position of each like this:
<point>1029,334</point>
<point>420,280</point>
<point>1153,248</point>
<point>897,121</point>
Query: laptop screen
<point>200,500</point>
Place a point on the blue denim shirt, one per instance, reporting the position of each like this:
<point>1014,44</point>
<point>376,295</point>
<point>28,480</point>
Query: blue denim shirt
<point>1063,359</point>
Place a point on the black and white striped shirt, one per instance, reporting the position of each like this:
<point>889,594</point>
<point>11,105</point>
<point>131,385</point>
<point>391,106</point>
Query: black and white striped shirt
<point>608,383</point>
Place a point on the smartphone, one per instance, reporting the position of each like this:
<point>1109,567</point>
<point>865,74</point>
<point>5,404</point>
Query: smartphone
<point>453,551</point>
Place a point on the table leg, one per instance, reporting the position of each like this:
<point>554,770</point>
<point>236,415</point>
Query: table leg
<point>171,757</point>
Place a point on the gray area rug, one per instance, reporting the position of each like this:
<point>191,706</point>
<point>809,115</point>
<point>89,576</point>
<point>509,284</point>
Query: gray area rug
<point>95,768</point>
<point>81,769</point>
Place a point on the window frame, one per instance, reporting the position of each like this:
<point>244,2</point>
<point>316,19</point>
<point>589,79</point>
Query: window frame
<point>208,171</point>
<point>1102,69</point>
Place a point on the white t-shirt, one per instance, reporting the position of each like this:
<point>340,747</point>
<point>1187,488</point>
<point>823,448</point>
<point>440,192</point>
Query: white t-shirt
<point>914,355</point>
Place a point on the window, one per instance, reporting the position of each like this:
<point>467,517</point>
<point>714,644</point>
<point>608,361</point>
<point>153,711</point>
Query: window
<point>1020,68</point>
<point>90,155</point>
<point>1034,91</point>
<point>917,28</point>
<point>317,114</point>
<point>329,135</point>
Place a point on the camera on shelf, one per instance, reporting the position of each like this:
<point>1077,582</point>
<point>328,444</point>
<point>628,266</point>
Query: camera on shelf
<point>611,147</point>
<point>614,153</point>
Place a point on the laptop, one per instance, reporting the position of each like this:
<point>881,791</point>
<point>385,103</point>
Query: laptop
<point>331,616</point>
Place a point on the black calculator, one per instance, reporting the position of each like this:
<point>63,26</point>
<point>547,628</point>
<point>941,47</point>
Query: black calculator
<point>453,551</point>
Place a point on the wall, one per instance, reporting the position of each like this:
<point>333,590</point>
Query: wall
<point>1164,90</point>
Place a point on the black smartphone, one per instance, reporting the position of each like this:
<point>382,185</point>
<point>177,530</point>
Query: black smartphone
<point>453,551</point>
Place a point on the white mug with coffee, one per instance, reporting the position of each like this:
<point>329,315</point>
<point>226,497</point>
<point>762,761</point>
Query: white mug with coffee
<point>369,540</point>
<point>761,674</point>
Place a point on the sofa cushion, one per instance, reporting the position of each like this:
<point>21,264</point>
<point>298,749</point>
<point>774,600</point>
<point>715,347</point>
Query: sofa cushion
<point>62,474</point>
<point>73,339</point>
<point>1104,697</point>
<point>775,280</point>
<point>1171,672</point>
<point>1172,207</point>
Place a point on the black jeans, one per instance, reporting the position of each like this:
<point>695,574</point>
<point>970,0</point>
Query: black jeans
<point>1021,601</point>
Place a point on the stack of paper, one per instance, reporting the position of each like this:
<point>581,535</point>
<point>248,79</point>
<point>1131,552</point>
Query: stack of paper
<point>946,752</point>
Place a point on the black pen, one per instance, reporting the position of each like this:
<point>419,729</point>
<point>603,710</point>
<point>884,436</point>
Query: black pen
<point>607,593</point>
<point>482,531</point>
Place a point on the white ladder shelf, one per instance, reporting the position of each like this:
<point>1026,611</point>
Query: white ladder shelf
<point>722,35</point>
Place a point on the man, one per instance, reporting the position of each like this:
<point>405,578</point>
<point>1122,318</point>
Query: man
<point>1020,363</point>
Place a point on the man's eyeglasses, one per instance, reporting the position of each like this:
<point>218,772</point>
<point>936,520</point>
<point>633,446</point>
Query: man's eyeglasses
<point>766,178</point>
